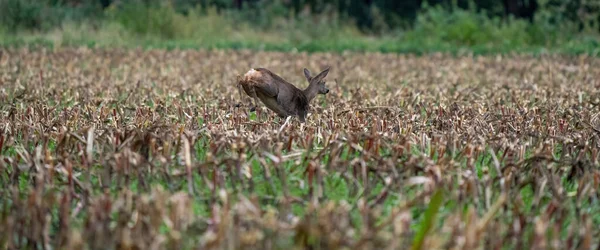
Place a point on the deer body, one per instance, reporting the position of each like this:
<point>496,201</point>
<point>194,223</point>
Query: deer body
<point>279,95</point>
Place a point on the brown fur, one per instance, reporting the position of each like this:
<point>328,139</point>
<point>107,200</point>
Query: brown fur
<point>276,93</point>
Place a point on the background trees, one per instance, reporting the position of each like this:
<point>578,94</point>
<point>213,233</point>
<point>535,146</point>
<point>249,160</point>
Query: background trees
<point>367,14</point>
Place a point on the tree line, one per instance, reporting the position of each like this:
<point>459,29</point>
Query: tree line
<point>361,10</point>
<point>365,13</point>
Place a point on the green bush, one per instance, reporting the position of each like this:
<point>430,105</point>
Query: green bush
<point>163,21</point>
<point>43,15</point>
<point>437,26</point>
<point>144,19</point>
<point>16,14</point>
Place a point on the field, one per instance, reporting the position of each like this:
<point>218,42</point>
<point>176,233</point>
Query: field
<point>146,149</point>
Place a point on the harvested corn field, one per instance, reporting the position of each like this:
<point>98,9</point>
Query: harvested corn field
<point>148,149</point>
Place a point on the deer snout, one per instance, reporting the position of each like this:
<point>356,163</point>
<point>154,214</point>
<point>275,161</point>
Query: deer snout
<point>326,91</point>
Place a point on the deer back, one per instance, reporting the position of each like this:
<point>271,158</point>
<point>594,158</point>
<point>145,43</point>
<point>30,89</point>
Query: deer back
<point>260,81</point>
<point>275,92</point>
<point>289,96</point>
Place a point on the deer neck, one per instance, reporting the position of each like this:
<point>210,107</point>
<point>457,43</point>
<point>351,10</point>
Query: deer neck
<point>311,91</point>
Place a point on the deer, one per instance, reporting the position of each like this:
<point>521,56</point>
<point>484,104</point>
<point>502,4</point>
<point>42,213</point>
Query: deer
<point>280,96</point>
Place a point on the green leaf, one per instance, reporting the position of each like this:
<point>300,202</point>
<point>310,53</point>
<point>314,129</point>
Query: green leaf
<point>430,214</point>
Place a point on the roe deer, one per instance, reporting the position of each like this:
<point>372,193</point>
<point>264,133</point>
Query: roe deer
<point>280,96</point>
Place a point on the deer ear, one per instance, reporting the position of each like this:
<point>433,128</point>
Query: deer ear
<point>322,75</point>
<point>307,74</point>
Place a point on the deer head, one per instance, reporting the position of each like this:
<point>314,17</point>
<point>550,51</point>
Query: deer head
<point>316,84</point>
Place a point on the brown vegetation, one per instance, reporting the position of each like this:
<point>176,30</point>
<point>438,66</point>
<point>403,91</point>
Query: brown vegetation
<point>133,149</point>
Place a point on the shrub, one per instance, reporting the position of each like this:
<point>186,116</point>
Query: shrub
<point>15,14</point>
<point>145,19</point>
<point>43,15</point>
<point>459,27</point>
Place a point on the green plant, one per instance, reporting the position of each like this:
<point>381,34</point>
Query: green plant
<point>15,14</point>
<point>145,19</point>
<point>43,15</point>
<point>459,27</point>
